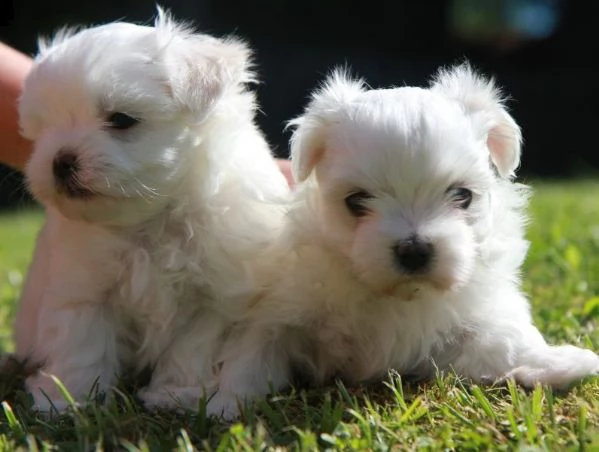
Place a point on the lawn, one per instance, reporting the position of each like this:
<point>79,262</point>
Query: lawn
<point>561,278</point>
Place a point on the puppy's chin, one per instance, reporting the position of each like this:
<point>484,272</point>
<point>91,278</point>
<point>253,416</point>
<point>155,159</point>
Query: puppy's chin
<point>409,291</point>
<point>413,288</point>
<point>104,210</point>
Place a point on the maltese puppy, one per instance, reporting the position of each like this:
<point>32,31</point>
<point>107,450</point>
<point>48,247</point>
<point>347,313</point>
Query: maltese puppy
<point>160,193</point>
<point>402,248</point>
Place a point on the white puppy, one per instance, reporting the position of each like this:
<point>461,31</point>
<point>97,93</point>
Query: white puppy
<point>160,192</point>
<point>402,249</point>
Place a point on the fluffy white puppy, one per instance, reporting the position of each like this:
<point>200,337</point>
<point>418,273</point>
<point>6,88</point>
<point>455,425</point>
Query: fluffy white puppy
<point>402,248</point>
<point>160,192</point>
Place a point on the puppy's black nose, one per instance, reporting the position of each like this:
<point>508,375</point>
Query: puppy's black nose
<point>65,166</point>
<point>413,255</point>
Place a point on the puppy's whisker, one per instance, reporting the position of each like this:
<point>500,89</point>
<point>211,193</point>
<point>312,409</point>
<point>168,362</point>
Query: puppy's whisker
<point>146,195</point>
<point>143,194</point>
<point>140,195</point>
<point>154,192</point>
<point>136,188</point>
<point>80,185</point>
<point>77,180</point>
<point>123,191</point>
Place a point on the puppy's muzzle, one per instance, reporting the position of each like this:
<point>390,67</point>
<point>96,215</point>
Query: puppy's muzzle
<point>65,168</point>
<point>413,255</point>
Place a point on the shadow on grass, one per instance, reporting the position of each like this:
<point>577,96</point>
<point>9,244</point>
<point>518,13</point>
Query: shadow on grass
<point>304,416</point>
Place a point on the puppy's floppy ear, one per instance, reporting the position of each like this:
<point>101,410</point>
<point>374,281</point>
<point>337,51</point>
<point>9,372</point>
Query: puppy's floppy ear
<point>309,139</point>
<point>201,68</point>
<point>483,102</point>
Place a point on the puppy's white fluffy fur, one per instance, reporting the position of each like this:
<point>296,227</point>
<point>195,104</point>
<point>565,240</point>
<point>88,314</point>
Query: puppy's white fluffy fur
<point>146,256</point>
<point>342,305</point>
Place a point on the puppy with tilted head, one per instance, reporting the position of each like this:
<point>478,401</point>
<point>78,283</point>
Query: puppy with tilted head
<point>160,193</point>
<point>402,248</point>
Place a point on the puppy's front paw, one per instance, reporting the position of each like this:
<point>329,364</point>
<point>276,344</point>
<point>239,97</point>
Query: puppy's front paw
<point>175,398</point>
<point>225,406</point>
<point>563,367</point>
<point>46,394</point>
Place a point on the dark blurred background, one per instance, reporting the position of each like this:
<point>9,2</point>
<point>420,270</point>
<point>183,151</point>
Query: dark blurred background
<point>543,52</point>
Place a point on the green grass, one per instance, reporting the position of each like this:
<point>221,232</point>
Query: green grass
<point>561,277</point>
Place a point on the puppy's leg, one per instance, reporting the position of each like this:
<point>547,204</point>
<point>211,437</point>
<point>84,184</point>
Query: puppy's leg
<point>78,344</point>
<point>253,364</point>
<point>502,349</point>
<point>185,372</point>
<point>31,297</point>
<point>556,366</point>
<point>75,337</point>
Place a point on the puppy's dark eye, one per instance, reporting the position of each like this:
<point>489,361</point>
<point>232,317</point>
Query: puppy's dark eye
<point>356,203</point>
<point>121,121</point>
<point>460,196</point>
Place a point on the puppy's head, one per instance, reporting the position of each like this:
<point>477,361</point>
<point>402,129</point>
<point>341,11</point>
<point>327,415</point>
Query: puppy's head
<point>404,177</point>
<point>115,111</point>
